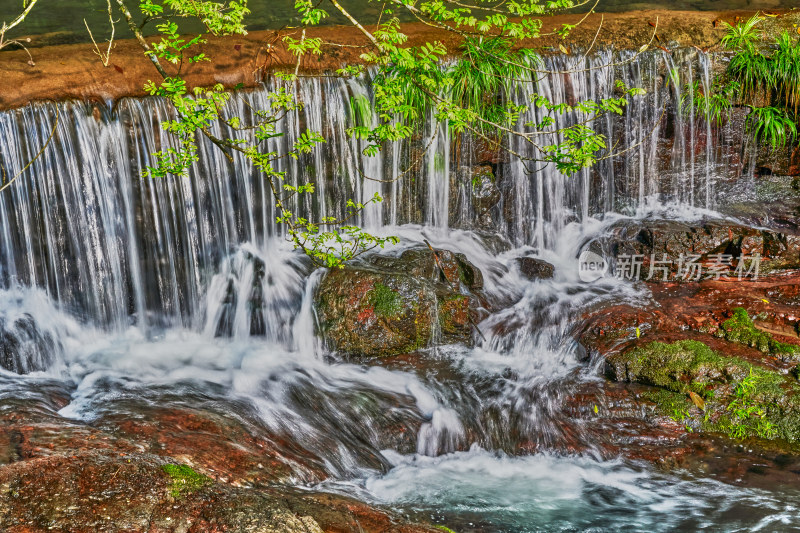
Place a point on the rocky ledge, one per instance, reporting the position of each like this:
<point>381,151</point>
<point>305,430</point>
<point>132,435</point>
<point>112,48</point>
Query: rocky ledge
<point>714,358</point>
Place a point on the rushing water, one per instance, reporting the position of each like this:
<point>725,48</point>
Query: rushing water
<point>124,291</point>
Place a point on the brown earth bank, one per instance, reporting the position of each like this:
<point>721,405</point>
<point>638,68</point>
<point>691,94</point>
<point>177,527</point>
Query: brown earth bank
<point>75,71</point>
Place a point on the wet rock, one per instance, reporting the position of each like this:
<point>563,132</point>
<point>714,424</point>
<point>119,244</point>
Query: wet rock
<point>794,162</point>
<point>25,346</point>
<point>398,304</point>
<point>485,193</point>
<point>165,469</point>
<point>713,392</point>
<point>95,491</point>
<point>700,311</point>
<point>533,268</point>
<point>657,249</point>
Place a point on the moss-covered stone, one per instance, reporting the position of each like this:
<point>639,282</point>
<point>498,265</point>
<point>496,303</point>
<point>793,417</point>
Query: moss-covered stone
<point>740,399</point>
<point>681,366</point>
<point>740,329</point>
<point>454,319</point>
<point>393,305</point>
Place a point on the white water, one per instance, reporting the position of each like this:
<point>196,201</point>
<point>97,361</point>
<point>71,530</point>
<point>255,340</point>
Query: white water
<point>543,492</point>
<point>141,290</point>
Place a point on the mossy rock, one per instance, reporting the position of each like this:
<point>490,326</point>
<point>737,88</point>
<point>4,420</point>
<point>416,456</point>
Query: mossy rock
<point>741,330</point>
<point>680,366</point>
<point>393,305</point>
<point>733,396</point>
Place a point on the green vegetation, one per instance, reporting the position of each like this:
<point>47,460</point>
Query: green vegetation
<point>385,300</point>
<point>764,76</point>
<point>740,329</point>
<point>445,529</point>
<point>741,400</point>
<point>360,111</point>
<point>681,366</point>
<point>184,480</point>
<point>746,415</point>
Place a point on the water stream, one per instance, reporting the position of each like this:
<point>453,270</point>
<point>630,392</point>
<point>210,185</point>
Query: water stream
<point>123,292</point>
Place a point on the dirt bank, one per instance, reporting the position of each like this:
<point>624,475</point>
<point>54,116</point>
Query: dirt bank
<point>74,71</point>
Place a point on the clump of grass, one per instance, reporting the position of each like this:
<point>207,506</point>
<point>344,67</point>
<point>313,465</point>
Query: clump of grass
<point>184,480</point>
<point>763,75</point>
<point>746,415</point>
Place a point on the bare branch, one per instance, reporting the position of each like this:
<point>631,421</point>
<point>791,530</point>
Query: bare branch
<point>104,58</point>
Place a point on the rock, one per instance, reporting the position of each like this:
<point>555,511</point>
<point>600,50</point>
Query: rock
<point>25,346</point>
<point>794,162</point>
<point>58,474</point>
<point>392,305</point>
<point>95,491</point>
<point>485,193</point>
<point>662,243</point>
<point>533,268</point>
<point>730,395</point>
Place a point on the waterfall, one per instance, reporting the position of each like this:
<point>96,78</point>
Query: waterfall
<point>115,248</point>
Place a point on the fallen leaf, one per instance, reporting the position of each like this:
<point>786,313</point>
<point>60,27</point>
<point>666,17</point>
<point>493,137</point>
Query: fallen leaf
<point>596,410</point>
<point>563,49</point>
<point>765,300</point>
<point>697,400</point>
<point>638,333</point>
<point>653,24</point>
<point>237,47</point>
<point>118,69</point>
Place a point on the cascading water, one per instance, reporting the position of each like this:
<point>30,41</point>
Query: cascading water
<point>120,287</point>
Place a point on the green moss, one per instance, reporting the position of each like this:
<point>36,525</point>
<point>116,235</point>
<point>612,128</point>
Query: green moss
<point>445,529</point>
<point>740,329</point>
<point>681,366</point>
<point>742,400</point>
<point>384,300</point>
<point>672,404</point>
<point>184,480</point>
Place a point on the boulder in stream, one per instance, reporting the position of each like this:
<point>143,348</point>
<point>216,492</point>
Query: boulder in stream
<point>533,268</point>
<point>390,305</point>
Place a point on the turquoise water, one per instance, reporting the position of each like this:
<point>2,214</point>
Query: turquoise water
<point>480,491</point>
